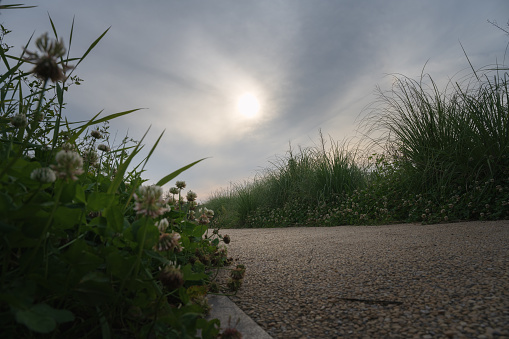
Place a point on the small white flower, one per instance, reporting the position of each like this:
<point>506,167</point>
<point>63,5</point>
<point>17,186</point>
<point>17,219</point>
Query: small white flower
<point>69,165</point>
<point>149,201</point>
<point>43,175</point>
<point>103,147</point>
<point>163,224</point>
<point>19,120</point>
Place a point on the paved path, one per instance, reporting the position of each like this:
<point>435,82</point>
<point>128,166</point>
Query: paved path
<point>397,281</point>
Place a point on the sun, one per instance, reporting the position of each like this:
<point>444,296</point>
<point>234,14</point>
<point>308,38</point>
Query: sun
<point>248,105</point>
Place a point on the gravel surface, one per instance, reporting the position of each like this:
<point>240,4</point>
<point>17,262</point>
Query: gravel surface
<point>397,281</point>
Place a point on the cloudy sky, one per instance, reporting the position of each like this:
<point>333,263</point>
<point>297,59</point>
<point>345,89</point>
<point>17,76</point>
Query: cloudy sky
<point>310,64</point>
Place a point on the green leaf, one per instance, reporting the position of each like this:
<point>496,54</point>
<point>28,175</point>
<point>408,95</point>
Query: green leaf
<point>98,201</point>
<point>93,45</point>
<point>199,231</point>
<point>115,218</point>
<point>95,289</point>
<point>152,150</point>
<point>80,194</point>
<point>81,259</point>
<point>43,318</point>
<point>152,233</point>
<point>66,218</point>
<point>177,172</point>
<point>92,122</point>
<point>119,264</point>
<point>188,273</point>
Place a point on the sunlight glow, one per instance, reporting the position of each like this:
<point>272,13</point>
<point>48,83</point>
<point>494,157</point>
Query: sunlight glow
<point>248,105</point>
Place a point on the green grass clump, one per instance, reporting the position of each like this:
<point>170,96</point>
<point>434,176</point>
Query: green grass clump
<point>441,156</point>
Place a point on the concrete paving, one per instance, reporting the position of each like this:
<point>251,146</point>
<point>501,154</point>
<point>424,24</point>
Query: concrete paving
<point>229,314</point>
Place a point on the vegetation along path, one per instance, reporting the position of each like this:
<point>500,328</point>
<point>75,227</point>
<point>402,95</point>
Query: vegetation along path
<point>396,281</point>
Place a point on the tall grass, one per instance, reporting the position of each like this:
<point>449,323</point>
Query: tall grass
<point>309,177</point>
<point>442,155</point>
<point>457,135</point>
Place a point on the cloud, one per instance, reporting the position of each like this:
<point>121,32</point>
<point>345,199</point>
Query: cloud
<point>313,65</point>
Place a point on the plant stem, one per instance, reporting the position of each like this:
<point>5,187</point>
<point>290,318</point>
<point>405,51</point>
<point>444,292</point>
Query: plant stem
<point>140,251</point>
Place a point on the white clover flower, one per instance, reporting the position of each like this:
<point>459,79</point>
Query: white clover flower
<point>69,165</point>
<point>191,196</point>
<point>43,175</point>
<point>91,157</point>
<point>19,120</point>
<point>169,242</point>
<point>96,134</point>
<point>149,201</point>
<point>103,147</point>
<point>163,224</point>
<point>180,184</point>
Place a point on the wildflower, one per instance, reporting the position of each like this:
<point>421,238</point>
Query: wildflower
<point>180,184</point>
<point>43,175</point>
<point>96,134</point>
<point>169,242</point>
<point>191,196</point>
<point>91,157</point>
<point>174,190</point>
<point>203,220</point>
<point>19,120</point>
<point>149,201</point>
<point>171,277</point>
<point>69,165</point>
<point>103,147</point>
<point>209,213</point>
<point>162,225</point>
<point>46,65</point>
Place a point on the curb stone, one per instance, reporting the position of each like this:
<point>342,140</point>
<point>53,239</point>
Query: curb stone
<point>223,308</point>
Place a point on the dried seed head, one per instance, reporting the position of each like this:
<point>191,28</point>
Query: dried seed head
<point>171,278</point>
<point>231,333</point>
<point>46,65</point>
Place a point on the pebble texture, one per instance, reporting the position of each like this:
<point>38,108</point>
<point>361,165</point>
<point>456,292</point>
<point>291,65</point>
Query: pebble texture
<point>397,281</point>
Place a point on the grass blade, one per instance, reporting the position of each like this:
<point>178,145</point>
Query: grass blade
<point>177,172</point>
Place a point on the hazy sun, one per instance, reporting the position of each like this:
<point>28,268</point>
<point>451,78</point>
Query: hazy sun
<point>248,105</point>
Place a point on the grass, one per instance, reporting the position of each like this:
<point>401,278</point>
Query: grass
<point>441,156</point>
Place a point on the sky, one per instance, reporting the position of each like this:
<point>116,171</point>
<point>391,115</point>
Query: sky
<point>311,65</point>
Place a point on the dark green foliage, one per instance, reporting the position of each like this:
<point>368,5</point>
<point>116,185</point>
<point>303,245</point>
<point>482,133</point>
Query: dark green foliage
<point>80,255</point>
